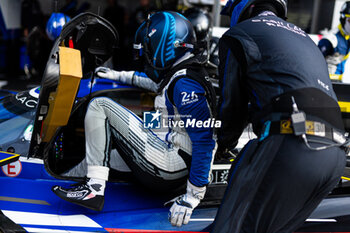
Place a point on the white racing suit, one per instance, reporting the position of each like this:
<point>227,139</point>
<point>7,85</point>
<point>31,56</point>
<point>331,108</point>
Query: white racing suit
<point>158,158</point>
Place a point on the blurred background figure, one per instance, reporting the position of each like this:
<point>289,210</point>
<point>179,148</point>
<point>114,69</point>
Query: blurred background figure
<point>140,14</point>
<point>39,43</point>
<point>10,35</point>
<point>116,14</point>
<point>202,25</point>
<point>201,22</point>
<point>24,44</point>
<point>41,30</point>
<point>31,16</point>
<point>71,8</point>
<point>136,18</point>
<point>335,46</point>
<point>36,41</point>
<point>207,45</point>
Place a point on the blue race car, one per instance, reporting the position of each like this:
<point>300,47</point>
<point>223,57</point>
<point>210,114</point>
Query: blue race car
<point>45,126</point>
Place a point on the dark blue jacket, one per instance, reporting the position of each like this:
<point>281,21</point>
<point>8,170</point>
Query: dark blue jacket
<point>260,58</point>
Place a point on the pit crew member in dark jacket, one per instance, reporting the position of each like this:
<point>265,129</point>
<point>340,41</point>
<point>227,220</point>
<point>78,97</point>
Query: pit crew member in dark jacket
<point>160,158</point>
<point>279,178</point>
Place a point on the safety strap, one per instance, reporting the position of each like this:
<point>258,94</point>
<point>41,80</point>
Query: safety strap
<point>202,80</point>
<point>313,128</point>
<point>192,70</point>
<point>312,101</point>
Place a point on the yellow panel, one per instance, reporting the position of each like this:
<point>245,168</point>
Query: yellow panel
<point>70,62</point>
<point>61,101</point>
<point>344,106</point>
<point>336,77</point>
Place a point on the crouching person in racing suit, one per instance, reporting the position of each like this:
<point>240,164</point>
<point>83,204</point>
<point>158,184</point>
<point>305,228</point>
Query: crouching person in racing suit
<point>279,178</point>
<point>163,159</point>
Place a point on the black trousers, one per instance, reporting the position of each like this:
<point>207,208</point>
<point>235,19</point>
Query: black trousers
<point>275,184</point>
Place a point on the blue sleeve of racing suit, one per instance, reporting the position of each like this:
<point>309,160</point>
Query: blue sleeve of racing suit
<point>191,104</point>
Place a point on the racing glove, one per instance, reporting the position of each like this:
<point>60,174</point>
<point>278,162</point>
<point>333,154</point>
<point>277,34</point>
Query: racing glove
<point>181,210</point>
<point>120,76</point>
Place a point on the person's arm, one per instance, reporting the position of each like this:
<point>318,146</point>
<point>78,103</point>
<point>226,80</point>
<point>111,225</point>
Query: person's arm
<point>192,105</point>
<point>140,79</point>
<point>134,78</point>
<point>233,103</point>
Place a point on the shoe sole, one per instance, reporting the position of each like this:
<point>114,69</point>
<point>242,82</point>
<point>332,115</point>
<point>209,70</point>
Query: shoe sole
<point>91,207</point>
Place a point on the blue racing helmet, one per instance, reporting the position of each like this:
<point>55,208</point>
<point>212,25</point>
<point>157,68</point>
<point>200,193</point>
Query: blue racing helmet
<point>236,8</point>
<point>55,24</point>
<point>163,39</point>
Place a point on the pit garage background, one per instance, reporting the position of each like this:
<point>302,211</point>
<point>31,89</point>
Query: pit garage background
<point>16,67</point>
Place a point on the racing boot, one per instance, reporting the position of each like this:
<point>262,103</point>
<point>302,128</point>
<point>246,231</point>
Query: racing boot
<point>89,193</point>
